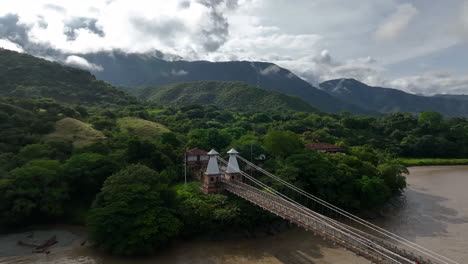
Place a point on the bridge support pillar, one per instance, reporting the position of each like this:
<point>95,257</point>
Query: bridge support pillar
<point>212,178</point>
<point>233,172</point>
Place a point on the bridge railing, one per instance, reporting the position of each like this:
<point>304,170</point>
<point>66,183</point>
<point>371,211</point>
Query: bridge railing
<point>291,212</point>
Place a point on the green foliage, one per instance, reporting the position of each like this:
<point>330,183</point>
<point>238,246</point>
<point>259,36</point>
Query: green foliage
<point>141,128</point>
<point>204,213</point>
<point>36,190</point>
<point>75,132</point>
<point>142,201</point>
<point>86,173</point>
<point>282,143</point>
<point>428,162</point>
<point>25,76</point>
<point>228,95</point>
<point>131,216</point>
<point>208,139</point>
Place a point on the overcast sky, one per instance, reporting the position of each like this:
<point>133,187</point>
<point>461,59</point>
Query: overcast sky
<point>419,46</point>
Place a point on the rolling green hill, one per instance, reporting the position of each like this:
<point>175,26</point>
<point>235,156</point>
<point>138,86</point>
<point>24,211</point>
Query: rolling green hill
<point>25,76</point>
<point>228,95</point>
<point>141,128</point>
<point>78,133</point>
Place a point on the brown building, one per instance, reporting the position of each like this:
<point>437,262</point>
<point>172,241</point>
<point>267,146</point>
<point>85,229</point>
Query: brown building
<point>196,162</point>
<point>325,147</point>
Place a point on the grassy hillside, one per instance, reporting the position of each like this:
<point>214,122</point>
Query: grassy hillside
<point>25,121</point>
<point>76,132</point>
<point>141,128</point>
<point>25,76</point>
<point>228,95</point>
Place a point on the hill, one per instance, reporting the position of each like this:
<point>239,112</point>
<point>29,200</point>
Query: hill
<point>76,132</point>
<point>387,100</point>
<point>228,95</point>
<point>25,76</point>
<point>141,128</point>
<point>133,70</point>
<point>453,96</point>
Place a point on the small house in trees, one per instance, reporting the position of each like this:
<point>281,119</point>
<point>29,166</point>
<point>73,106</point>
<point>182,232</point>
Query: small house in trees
<point>325,147</point>
<point>196,161</point>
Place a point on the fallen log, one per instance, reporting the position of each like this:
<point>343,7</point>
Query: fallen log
<point>48,243</point>
<point>21,243</point>
<point>40,247</point>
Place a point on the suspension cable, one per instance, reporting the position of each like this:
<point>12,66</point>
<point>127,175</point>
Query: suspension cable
<point>348,215</point>
<point>323,219</point>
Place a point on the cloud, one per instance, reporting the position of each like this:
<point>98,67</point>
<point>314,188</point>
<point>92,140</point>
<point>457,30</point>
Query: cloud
<point>11,29</point>
<point>429,83</point>
<point>82,63</point>
<point>179,72</point>
<point>397,23</point>
<point>74,25</point>
<point>323,67</point>
<point>6,44</point>
<point>317,40</point>
<point>272,69</point>
<point>188,28</point>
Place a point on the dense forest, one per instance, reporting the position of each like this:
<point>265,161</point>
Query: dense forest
<point>95,156</point>
<point>131,166</point>
<point>226,95</point>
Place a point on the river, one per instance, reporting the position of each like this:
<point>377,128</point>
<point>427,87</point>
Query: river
<point>433,212</point>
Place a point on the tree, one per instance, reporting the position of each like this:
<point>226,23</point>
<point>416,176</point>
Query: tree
<point>86,173</point>
<point>204,213</point>
<point>131,215</point>
<point>147,153</point>
<point>208,139</point>
<point>282,143</point>
<point>34,151</point>
<point>34,192</point>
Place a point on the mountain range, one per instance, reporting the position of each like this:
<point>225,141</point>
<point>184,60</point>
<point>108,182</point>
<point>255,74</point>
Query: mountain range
<point>131,70</point>
<point>231,95</point>
<point>386,100</point>
<point>238,85</point>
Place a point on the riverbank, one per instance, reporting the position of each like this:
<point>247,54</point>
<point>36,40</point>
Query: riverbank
<point>431,212</point>
<point>410,162</point>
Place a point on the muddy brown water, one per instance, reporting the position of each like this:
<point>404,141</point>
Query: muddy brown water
<point>433,213</point>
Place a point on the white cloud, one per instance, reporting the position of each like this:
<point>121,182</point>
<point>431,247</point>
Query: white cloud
<point>82,63</point>
<point>6,44</point>
<point>431,83</point>
<point>293,34</point>
<point>323,67</point>
<point>397,23</point>
<point>179,72</point>
<point>272,69</point>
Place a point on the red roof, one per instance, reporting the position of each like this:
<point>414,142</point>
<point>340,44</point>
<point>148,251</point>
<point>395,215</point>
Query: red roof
<point>324,147</point>
<point>196,152</point>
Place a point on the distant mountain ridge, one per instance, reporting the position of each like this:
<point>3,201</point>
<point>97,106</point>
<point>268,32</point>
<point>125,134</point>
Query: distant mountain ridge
<point>228,95</point>
<point>387,100</point>
<point>132,70</point>
<point>25,76</point>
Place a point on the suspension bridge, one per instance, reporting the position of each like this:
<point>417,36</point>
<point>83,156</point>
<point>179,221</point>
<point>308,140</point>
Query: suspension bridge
<point>337,226</point>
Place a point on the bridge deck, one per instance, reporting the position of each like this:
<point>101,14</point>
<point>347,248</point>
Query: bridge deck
<point>368,246</point>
